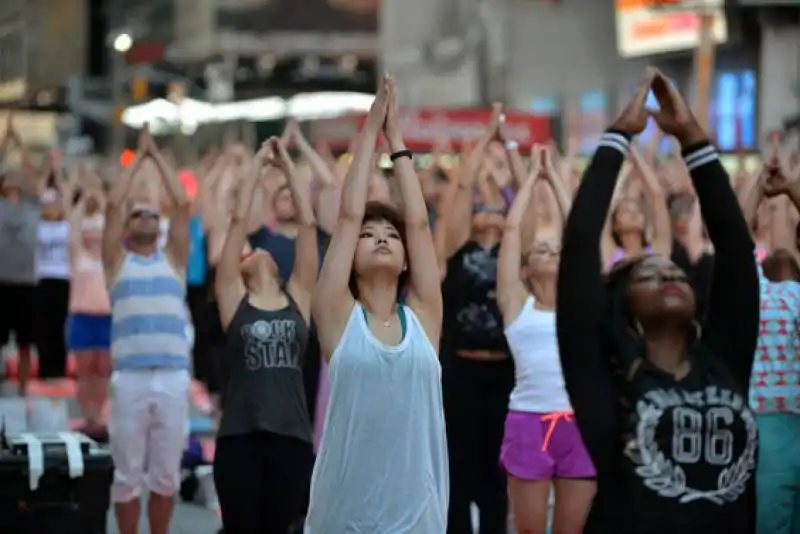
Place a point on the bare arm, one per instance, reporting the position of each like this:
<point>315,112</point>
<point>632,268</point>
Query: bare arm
<point>332,301</point>
<point>559,186</point>
<point>177,247</point>
<point>511,292</point>
<point>458,221</point>
<point>306,250</point>
<point>607,244</point>
<point>662,239</point>
<point>113,250</point>
<point>425,295</point>
<point>327,190</point>
<point>228,284</point>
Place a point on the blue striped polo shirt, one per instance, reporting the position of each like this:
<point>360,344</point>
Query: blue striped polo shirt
<point>148,311</point>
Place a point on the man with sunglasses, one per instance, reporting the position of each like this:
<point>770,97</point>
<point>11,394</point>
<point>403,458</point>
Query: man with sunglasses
<point>149,347</point>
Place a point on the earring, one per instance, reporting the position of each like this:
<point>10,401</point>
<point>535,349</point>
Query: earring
<point>638,329</point>
<point>698,328</point>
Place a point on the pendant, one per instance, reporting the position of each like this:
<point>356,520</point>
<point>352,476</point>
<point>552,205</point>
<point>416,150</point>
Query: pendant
<point>387,324</point>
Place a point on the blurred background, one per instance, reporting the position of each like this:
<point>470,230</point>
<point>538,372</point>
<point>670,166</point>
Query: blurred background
<point>84,75</point>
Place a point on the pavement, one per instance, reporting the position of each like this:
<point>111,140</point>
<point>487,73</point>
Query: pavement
<point>188,519</point>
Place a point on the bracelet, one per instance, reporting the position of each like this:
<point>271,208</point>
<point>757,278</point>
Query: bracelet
<point>401,154</point>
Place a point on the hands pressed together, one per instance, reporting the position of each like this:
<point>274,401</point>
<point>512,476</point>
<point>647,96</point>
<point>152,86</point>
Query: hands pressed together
<point>673,116</point>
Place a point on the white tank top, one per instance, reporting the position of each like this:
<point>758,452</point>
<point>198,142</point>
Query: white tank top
<point>52,250</point>
<point>382,463</point>
<point>163,232</point>
<point>539,384</point>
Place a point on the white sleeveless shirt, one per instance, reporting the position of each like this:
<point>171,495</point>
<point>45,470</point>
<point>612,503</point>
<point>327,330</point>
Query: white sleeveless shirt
<point>52,250</point>
<point>539,384</point>
<point>382,463</point>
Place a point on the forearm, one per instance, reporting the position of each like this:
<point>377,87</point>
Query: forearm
<point>175,190</point>
<point>356,183</point>
<point>414,209</point>
<point>302,200</point>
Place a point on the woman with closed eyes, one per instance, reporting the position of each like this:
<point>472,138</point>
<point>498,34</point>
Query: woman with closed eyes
<point>660,400</point>
<point>382,463</point>
<point>264,454</point>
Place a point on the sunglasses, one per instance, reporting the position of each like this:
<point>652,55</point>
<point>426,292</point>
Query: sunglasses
<point>481,208</point>
<point>144,214</point>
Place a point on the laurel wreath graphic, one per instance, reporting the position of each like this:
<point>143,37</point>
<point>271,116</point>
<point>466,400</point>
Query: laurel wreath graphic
<point>668,479</point>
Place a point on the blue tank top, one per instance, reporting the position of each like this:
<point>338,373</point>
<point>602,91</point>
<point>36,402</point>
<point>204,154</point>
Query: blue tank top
<point>196,267</point>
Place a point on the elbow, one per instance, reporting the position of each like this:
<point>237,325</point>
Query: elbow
<point>417,223</point>
<point>351,214</point>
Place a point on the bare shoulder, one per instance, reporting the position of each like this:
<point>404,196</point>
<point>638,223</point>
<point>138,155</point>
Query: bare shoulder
<point>429,317</point>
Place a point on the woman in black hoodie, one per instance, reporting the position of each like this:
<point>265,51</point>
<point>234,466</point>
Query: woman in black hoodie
<point>660,400</point>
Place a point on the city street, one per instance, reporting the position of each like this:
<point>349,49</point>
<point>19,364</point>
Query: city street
<point>189,519</point>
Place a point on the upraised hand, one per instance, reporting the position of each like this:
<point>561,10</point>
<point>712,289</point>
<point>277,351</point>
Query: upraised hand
<point>391,126</point>
<point>537,159</point>
<point>774,179</point>
<point>280,157</point>
<point>674,116</point>
<point>633,117</point>
<point>376,117</point>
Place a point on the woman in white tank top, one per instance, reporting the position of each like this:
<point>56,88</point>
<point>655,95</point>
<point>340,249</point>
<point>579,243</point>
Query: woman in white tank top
<point>542,445</point>
<point>52,273</point>
<point>382,463</point>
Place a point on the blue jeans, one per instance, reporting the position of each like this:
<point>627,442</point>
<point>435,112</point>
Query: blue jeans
<point>778,473</point>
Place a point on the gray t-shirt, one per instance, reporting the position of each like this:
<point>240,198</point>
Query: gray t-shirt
<point>18,227</point>
<point>265,387</point>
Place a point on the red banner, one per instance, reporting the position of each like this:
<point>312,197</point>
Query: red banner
<point>423,127</point>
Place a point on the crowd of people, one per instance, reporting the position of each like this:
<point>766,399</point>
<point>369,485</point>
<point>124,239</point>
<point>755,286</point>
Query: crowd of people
<point>390,347</point>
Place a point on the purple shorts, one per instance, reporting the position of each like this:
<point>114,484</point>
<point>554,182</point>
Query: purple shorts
<point>540,446</point>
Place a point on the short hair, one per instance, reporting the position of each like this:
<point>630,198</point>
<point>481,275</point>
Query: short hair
<point>376,211</point>
<point>780,258</point>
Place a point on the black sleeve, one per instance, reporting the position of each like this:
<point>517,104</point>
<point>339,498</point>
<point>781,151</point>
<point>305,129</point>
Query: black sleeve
<point>580,303</point>
<point>731,328</point>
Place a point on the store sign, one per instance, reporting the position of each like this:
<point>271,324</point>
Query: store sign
<point>646,27</point>
<point>423,128</point>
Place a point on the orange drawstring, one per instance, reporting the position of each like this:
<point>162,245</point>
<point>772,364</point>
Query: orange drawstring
<point>553,418</point>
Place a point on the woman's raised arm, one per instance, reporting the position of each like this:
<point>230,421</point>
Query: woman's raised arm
<point>511,292</point>
<point>228,284</point>
<point>580,301</point>
<point>306,250</point>
<point>458,220</point>
<point>425,294</point>
<point>332,301</point>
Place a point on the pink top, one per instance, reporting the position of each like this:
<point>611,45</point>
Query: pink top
<point>88,293</point>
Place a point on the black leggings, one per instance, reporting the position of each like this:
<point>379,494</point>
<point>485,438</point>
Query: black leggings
<point>52,301</point>
<point>262,481</point>
<point>475,406</point>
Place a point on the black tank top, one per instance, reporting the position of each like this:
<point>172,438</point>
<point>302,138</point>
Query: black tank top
<point>265,351</point>
<point>472,319</point>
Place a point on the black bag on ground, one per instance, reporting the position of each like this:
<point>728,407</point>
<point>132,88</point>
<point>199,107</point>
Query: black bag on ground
<point>56,483</point>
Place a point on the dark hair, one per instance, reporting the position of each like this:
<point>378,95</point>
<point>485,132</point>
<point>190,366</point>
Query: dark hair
<point>776,261</point>
<point>378,211</point>
<point>620,333</point>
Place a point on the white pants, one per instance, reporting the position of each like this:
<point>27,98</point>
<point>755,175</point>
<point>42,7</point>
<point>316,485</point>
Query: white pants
<point>147,430</point>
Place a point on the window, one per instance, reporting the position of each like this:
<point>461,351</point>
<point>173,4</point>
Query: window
<point>733,114</point>
<point>593,111</point>
<point>545,105</point>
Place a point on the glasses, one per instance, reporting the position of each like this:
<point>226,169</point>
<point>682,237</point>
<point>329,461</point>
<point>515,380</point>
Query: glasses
<point>144,214</point>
